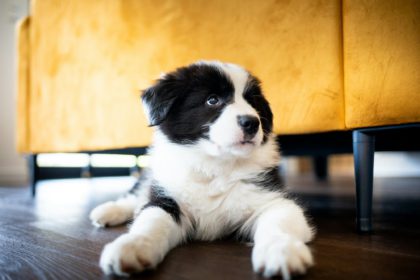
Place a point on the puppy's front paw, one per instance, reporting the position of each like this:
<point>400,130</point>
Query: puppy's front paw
<point>109,214</point>
<point>128,254</point>
<point>282,255</point>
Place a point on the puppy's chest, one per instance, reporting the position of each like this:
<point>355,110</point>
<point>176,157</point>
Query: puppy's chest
<point>215,202</point>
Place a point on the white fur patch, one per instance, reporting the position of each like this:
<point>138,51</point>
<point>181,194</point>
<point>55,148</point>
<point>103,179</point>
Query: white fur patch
<point>209,187</point>
<point>226,134</point>
<point>117,212</point>
<point>281,254</point>
<point>150,237</point>
<point>111,214</point>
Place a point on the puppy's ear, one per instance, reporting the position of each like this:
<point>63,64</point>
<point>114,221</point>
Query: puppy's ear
<point>159,99</point>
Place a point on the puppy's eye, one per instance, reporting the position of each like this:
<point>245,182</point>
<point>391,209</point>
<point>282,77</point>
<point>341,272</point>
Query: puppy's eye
<point>213,100</point>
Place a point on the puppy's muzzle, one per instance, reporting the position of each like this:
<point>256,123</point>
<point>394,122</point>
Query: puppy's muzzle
<point>249,125</point>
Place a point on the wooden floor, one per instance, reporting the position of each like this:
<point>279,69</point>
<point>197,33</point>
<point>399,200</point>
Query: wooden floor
<point>50,237</point>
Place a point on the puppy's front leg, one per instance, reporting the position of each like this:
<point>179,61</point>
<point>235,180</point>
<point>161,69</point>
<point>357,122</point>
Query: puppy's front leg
<point>153,233</point>
<point>280,234</point>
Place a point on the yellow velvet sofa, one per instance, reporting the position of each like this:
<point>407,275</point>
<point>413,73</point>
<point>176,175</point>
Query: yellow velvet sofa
<point>325,65</point>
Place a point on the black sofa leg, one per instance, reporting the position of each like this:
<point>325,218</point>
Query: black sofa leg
<point>33,173</point>
<point>363,151</point>
<point>320,166</point>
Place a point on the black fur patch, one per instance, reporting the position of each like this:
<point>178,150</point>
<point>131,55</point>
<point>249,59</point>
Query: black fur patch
<point>253,95</point>
<point>268,180</point>
<point>177,102</point>
<point>158,198</point>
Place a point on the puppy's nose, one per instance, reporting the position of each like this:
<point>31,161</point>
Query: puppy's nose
<point>249,124</point>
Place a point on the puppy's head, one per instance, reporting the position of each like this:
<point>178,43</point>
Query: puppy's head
<point>217,106</point>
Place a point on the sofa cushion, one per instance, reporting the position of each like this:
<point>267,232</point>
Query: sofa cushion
<point>382,62</point>
<point>90,59</point>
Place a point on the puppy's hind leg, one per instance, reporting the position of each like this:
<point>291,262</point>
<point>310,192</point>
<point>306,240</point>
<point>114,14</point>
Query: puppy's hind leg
<point>113,213</point>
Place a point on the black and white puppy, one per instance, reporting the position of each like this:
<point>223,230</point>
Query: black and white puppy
<point>213,172</point>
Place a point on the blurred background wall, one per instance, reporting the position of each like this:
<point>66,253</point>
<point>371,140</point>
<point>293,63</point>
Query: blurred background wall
<point>12,166</point>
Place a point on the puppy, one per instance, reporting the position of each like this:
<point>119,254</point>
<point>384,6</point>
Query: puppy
<point>213,173</point>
